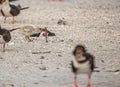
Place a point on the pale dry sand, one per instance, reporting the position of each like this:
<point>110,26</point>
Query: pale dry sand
<point>95,24</point>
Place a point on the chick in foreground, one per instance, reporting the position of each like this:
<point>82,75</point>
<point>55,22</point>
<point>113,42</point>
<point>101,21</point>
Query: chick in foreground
<point>83,63</point>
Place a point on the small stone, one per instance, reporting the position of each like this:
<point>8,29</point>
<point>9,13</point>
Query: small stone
<point>102,61</point>
<point>44,76</point>
<point>9,85</point>
<point>107,22</point>
<point>43,68</point>
<point>12,85</point>
<point>69,66</point>
<point>117,70</point>
<point>42,57</point>
<point>100,46</point>
<point>36,83</point>
<point>57,68</point>
<point>1,57</point>
<point>59,55</point>
<point>62,22</point>
<point>111,42</point>
<point>71,40</point>
<point>61,40</point>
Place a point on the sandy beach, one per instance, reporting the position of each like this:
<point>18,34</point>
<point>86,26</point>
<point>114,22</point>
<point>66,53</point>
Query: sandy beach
<point>93,23</point>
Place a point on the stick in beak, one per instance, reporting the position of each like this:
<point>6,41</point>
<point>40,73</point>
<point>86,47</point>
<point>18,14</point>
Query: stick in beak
<point>46,36</point>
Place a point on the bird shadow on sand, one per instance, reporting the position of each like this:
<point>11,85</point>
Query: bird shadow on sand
<point>9,51</point>
<point>83,85</point>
